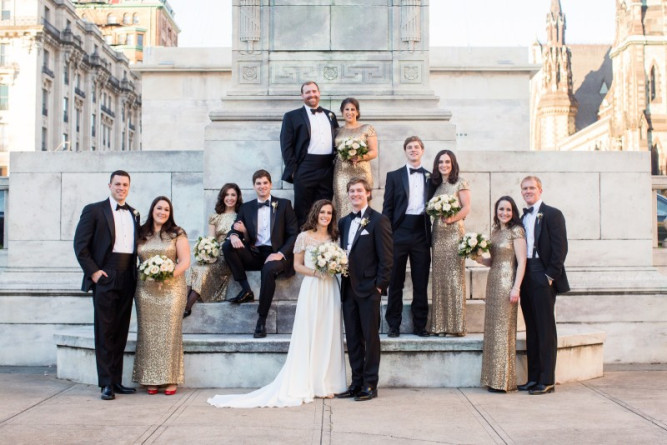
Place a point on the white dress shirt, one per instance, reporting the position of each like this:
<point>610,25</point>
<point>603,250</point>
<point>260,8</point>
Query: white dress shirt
<point>320,133</point>
<point>264,224</point>
<point>415,192</point>
<point>123,222</point>
<point>354,227</point>
<point>529,225</point>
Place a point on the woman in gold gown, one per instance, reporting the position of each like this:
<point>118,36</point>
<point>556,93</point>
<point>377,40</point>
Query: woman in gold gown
<point>210,281</point>
<point>508,264</point>
<point>359,167</point>
<point>448,269</point>
<point>159,356</point>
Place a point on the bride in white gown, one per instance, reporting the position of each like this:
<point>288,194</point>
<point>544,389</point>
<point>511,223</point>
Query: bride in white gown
<point>315,364</point>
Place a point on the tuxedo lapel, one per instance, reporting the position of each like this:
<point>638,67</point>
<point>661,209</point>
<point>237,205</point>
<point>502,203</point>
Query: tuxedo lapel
<point>108,215</point>
<point>537,229</point>
<point>253,219</point>
<point>304,116</point>
<point>405,180</point>
<point>360,229</point>
<point>273,211</point>
<point>427,175</point>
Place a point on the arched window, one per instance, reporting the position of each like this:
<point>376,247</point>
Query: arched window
<point>135,18</point>
<point>653,88</point>
<point>111,19</point>
<point>127,18</point>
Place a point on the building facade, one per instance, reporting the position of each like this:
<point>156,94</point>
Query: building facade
<point>131,25</point>
<point>632,112</point>
<point>62,87</point>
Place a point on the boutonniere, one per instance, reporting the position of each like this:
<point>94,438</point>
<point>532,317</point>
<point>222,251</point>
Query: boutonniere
<point>427,176</point>
<point>363,222</point>
<point>539,217</point>
<point>331,116</point>
<point>274,204</point>
<point>135,212</point>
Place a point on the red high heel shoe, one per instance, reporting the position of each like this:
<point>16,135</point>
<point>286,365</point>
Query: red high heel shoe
<point>170,392</point>
<point>151,391</point>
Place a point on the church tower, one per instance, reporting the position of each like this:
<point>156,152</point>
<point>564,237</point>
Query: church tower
<point>556,106</point>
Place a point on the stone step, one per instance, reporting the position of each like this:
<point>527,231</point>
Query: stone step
<point>240,361</point>
<point>227,318</point>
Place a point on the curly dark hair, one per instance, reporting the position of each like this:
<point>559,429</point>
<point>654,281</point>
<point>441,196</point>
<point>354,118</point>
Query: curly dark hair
<point>311,220</point>
<point>516,219</point>
<point>220,206</point>
<point>436,177</point>
<point>169,227</point>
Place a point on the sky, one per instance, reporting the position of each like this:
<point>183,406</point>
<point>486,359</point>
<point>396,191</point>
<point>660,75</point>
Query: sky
<point>207,23</point>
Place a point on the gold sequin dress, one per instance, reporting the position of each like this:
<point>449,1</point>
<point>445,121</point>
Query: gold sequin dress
<point>499,355</point>
<point>344,171</point>
<point>448,308</point>
<point>210,281</point>
<point>160,306</point>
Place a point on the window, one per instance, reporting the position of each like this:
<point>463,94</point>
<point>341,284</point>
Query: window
<point>4,97</point>
<point>46,59</point>
<point>127,19</point>
<point>140,40</point>
<point>45,102</point>
<point>6,11</point>
<point>66,74</point>
<point>78,80</point>
<point>78,120</point>
<point>3,54</point>
<point>65,108</point>
<point>129,39</point>
<point>111,19</point>
<point>652,85</point>
<point>44,137</point>
<point>93,123</point>
<point>135,18</point>
<point>108,39</point>
<point>94,92</point>
<point>123,143</point>
<point>47,14</point>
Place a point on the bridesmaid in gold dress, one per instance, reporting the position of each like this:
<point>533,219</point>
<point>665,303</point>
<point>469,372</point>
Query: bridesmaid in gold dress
<point>210,281</point>
<point>448,308</point>
<point>359,167</point>
<point>159,357</point>
<point>508,264</point>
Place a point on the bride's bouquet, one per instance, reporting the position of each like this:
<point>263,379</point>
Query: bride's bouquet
<point>156,268</point>
<point>207,250</point>
<point>330,259</point>
<point>351,147</point>
<point>473,245</point>
<point>443,206</point>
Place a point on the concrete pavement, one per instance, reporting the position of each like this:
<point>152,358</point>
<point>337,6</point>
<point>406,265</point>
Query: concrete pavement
<point>627,405</point>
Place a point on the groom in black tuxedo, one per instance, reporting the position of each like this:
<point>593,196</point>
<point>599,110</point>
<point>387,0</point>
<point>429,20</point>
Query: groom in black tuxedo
<point>405,197</point>
<point>262,238</point>
<point>307,145</point>
<point>105,246</point>
<point>545,277</point>
<point>366,237</point>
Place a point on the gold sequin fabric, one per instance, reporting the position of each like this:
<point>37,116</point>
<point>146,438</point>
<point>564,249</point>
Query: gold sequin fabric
<point>210,281</point>
<point>160,306</point>
<point>499,355</point>
<point>344,171</point>
<point>448,308</point>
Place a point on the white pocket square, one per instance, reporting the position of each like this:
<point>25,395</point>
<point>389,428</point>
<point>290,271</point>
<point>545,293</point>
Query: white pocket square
<point>364,232</point>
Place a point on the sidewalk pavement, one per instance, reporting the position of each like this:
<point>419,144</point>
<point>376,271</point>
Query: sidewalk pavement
<point>628,405</point>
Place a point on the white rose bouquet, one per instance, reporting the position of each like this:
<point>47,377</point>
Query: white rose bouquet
<point>443,206</point>
<point>473,245</point>
<point>156,268</point>
<point>207,250</point>
<point>351,147</point>
<point>330,259</point>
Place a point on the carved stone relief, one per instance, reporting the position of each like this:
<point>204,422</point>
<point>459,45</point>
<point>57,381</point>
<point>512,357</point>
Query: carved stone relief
<point>411,22</point>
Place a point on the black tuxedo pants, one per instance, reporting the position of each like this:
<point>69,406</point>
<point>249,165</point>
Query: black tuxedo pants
<point>538,299</point>
<point>313,180</point>
<point>361,317</point>
<point>112,303</point>
<point>240,260</point>
<point>410,241</point>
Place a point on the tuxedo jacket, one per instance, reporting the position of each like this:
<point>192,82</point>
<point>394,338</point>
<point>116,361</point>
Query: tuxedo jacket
<point>284,228</point>
<point>94,238</point>
<point>371,255</point>
<point>396,196</point>
<point>551,245</point>
<point>295,137</point>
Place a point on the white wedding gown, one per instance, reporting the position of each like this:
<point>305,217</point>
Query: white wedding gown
<point>315,364</point>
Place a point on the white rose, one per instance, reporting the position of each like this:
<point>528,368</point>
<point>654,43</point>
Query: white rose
<point>343,260</point>
<point>355,145</point>
<point>164,267</point>
<point>472,242</point>
<point>352,152</point>
<point>154,270</point>
<point>322,263</point>
<point>446,207</point>
<point>157,261</point>
<point>482,244</point>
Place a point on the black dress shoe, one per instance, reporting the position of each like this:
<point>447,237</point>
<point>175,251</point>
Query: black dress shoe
<point>541,389</point>
<point>422,333</point>
<point>526,386</point>
<point>495,390</point>
<point>245,297</point>
<point>393,333</point>
<point>366,393</point>
<point>187,313</point>
<point>260,329</point>
<point>107,393</point>
<point>120,389</point>
<point>352,391</point>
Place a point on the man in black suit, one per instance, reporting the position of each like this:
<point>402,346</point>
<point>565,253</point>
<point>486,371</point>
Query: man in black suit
<point>405,197</point>
<point>262,238</point>
<point>366,236</point>
<point>545,277</point>
<point>306,142</point>
<point>105,246</point>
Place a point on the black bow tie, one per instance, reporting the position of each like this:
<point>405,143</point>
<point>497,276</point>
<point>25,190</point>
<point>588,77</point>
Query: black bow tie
<point>316,110</point>
<point>265,203</point>
<point>123,207</point>
<point>356,215</point>
<point>417,170</point>
<point>528,210</point>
